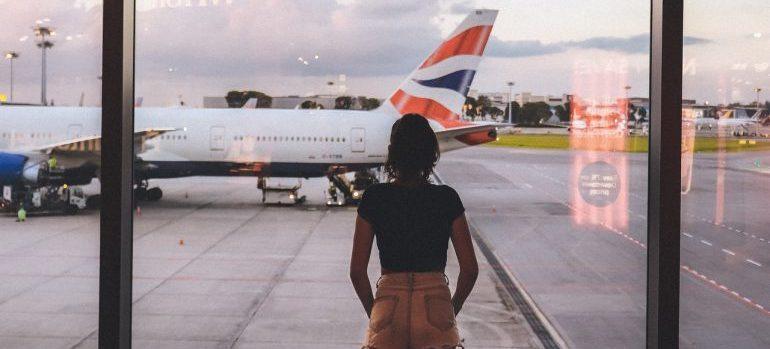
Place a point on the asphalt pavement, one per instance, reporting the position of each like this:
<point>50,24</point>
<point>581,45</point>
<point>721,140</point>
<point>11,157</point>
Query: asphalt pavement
<point>584,264</point>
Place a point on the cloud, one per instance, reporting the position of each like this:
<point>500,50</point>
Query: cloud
<point>347,39</point>
<point>520,48</point>
<point>636,44</point>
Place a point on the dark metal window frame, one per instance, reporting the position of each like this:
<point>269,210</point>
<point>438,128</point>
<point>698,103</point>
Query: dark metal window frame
<point>116,234</point>
<point>664,169</point>
<point>117,166</point>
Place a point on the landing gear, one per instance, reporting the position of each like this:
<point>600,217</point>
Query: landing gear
<point>154,194</point>
<point>342,192</point>
<point>142,193</point>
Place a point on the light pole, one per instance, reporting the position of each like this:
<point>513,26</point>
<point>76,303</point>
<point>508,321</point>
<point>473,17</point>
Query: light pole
<point>757,90</point>
<point>42,33</point>
<point>628,106</point>
<point>510,99</point>
<point>10,56</point>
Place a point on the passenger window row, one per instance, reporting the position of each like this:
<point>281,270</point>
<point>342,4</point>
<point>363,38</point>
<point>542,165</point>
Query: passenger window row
<point>173,137</point>
<point>291,139</point>
<point>29,135</point>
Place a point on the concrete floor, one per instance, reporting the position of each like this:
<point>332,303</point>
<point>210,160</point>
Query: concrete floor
<point>213,268</point>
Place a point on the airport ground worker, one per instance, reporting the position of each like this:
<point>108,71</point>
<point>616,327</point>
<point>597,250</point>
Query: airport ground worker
<point>22,214</point>
<point>52,162</point>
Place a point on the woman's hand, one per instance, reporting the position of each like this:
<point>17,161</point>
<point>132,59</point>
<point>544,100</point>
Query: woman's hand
<point>469,267</point>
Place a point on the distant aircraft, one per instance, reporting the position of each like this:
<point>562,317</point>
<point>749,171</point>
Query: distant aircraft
<point>740,121</point>
<point>174,142</point>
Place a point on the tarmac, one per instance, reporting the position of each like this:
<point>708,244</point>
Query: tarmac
<point>216,268</point>
<point>584,266</point>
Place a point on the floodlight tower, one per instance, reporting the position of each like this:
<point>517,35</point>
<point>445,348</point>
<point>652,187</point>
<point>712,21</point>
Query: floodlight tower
<point>43,33</point>
<point>510,101</point>
<point>11,56</point>
<point>757,90</point>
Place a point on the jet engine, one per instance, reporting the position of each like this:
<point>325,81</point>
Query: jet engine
<point>12,168</point>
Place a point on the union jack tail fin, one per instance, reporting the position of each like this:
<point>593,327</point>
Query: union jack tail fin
<point>438,87</point>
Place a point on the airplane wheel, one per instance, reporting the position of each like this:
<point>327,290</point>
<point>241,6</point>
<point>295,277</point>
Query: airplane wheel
<point>140,194</point>
<point>154,194</point>
<point>71,210</point>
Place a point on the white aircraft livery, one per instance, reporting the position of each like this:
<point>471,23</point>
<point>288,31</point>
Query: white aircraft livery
<point>174,142</point>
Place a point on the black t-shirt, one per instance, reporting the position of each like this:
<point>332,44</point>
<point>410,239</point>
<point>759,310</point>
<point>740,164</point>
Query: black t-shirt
<point>412,224</point>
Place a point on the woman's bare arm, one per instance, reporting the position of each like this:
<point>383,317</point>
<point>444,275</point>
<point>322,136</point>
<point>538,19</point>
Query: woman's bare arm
<point>359,262</point>
<point>469,267</point>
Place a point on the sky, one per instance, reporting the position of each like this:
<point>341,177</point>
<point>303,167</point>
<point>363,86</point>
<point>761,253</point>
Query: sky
<point>187,49</point>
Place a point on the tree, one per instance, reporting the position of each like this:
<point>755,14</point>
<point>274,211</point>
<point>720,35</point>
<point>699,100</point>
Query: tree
<point>343,102</point>
<point>516,112</point>
<point>535,113</point>
<point>237,99</point>
<point>562,112</point>
<point>495,111</point>
<point>484,105</point>
<point>308,105</point>
<point>642,114</point>
<point>368,103</point>
<point>470,107</point>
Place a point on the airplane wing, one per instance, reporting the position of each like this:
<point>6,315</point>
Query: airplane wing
<point>93,144</point>
<point>464,136</point>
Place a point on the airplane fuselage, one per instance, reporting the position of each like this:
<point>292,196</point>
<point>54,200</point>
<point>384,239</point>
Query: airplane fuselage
<point>221,142</point>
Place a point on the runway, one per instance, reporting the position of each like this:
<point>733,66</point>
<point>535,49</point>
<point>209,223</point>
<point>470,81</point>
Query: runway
<point>587,271</point>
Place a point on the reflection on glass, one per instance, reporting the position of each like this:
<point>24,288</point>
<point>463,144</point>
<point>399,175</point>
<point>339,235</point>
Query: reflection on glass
<point>724,296</point>
<point>49,127</point>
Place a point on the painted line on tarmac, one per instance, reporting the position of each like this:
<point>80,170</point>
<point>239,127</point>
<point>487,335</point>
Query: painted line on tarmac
<point>751,261</point>
<point>709,281</point>
<point>730,228</point>
<point>545,331</point>
<point>726,290</point>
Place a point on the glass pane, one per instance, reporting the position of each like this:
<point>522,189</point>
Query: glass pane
<point>50,119</point>
<point>724,294</point>
<point>254,99</point>
<point>562,197</point>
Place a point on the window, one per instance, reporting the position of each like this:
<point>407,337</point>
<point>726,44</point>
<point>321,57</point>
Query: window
<point>560,204</point>
<point>49,264</point>
<point>724,237</point>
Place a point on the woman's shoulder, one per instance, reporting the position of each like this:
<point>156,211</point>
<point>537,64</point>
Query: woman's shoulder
<point>376,189</point>
<point>444,188</point>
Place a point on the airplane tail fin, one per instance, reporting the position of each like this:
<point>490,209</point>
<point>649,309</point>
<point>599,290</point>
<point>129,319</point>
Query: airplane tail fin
<point>437,89</point>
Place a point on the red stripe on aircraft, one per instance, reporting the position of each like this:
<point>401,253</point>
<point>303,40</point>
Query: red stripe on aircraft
<point>408,104</point>
<point>469,42</point>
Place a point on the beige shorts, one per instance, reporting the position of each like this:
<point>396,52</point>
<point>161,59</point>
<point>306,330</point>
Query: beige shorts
<point>412,311</point>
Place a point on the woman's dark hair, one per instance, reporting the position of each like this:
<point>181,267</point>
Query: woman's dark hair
<point>413,150</point>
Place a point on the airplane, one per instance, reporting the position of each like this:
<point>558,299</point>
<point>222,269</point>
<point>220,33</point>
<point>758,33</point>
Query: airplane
<point>739,120</point>
<point>264,143</point>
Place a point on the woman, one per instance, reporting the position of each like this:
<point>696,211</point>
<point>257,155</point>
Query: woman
<point>413,221</point>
